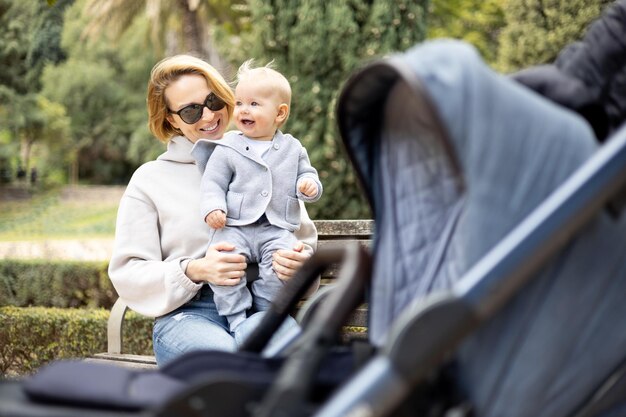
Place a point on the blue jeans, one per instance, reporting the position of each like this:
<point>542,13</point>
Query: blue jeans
<point>198,326</point>
<point>257,242</point>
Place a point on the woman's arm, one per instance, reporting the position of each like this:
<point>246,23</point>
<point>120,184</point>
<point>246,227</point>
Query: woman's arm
<point>147,283</point>
<point>151,285</point>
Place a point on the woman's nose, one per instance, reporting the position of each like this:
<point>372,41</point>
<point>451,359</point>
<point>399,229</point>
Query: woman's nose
<point>207,114</point>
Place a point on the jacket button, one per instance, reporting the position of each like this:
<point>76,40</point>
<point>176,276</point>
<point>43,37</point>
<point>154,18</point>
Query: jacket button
<point>264,193</point>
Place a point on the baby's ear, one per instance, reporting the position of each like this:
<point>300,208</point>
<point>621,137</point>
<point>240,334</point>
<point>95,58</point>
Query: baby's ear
<point>283,113</point>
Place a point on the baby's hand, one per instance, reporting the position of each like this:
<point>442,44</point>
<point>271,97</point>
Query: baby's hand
<point>216,219</point>
<point>307,187</point>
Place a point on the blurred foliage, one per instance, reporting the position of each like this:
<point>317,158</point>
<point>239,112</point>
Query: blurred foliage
<point>44,132</point>
<point>16,36</point>
<point>475,21</point>
<point>102,85</point>
<point>538,29</point>
<point>317,45</point>
<point>64,284</point>
<point>29,40</point>
<point>45,45</point>
<point>32,337</point>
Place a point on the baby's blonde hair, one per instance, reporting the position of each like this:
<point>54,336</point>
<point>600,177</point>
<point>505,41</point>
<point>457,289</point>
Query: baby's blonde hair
<point>266,74</point>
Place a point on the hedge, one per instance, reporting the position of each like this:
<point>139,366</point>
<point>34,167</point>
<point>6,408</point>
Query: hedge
<point>31,337</point>
<point>62,284</point>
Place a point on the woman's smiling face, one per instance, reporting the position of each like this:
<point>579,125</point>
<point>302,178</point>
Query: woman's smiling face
<point>193,89</point>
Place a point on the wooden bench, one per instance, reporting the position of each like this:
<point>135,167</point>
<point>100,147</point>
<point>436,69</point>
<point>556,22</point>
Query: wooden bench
<point>330,232</point>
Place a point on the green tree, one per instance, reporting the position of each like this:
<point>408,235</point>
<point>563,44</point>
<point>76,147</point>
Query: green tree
<point>317,44</point>
<point>50,131</point>
<point>45,46</point>
<point>29,39</point>
<point>102,85</point>
<point>538,29</point>
<point>16,24</point>
<point>475,21</point>
<point>39,130</point>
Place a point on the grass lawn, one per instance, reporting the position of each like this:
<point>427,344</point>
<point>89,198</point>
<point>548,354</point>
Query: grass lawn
<point>68,213</point>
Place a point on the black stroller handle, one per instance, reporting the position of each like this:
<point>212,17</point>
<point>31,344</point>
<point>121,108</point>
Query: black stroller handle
<point>290,393</point>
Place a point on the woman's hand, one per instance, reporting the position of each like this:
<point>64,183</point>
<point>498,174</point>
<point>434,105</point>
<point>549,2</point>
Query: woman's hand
<point>218,267</point>
<point>287,262</point>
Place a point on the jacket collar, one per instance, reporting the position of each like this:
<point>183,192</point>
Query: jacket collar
<point>235,140</point>
<point>203,148</point>
<point>178,150</point>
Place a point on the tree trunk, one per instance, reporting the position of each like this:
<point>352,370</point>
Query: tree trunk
<point>191,29</point>
<point>73,175</point>
<point>26,147</point>
<point>196,38</point>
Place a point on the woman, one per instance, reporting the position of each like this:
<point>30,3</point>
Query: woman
<point>160,260</point>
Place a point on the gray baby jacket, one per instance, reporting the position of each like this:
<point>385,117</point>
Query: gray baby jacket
<point>245,186</point>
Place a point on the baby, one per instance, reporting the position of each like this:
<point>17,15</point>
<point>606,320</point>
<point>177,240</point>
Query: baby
<point>252,184</point>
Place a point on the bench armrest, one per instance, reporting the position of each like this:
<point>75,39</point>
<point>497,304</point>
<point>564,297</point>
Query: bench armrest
<point>114,327</point>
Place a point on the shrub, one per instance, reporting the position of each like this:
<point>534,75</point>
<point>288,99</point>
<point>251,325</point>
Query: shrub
<point>31,337</point>
<point>537,30</point>
<point>45,283</point>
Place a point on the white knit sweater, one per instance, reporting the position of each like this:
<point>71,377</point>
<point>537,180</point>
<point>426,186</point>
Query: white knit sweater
<point>158,227</point>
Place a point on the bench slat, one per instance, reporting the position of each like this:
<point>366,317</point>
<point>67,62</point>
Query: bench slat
<point>344,229</point>
<point>127,360</point>
<point>340,244</point>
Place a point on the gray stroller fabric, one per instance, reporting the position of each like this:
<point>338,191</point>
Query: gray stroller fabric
<point>453,156</point>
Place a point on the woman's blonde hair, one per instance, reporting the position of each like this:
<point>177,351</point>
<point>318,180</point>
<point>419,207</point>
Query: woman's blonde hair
<point>168,70</point>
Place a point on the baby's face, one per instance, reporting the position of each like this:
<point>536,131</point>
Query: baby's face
<point>256,110</point>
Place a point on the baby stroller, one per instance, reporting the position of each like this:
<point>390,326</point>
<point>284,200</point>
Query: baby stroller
<point>498,274</point>
<point>501,201</point>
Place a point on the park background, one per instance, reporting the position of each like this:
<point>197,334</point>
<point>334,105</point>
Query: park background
<point>73,122</point>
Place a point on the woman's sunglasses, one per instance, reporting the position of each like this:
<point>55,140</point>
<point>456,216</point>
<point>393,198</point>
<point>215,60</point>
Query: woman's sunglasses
<point>192,113</point>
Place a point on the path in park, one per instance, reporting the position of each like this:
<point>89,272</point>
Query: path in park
<point>70,249</point>
<point>74,249</point>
